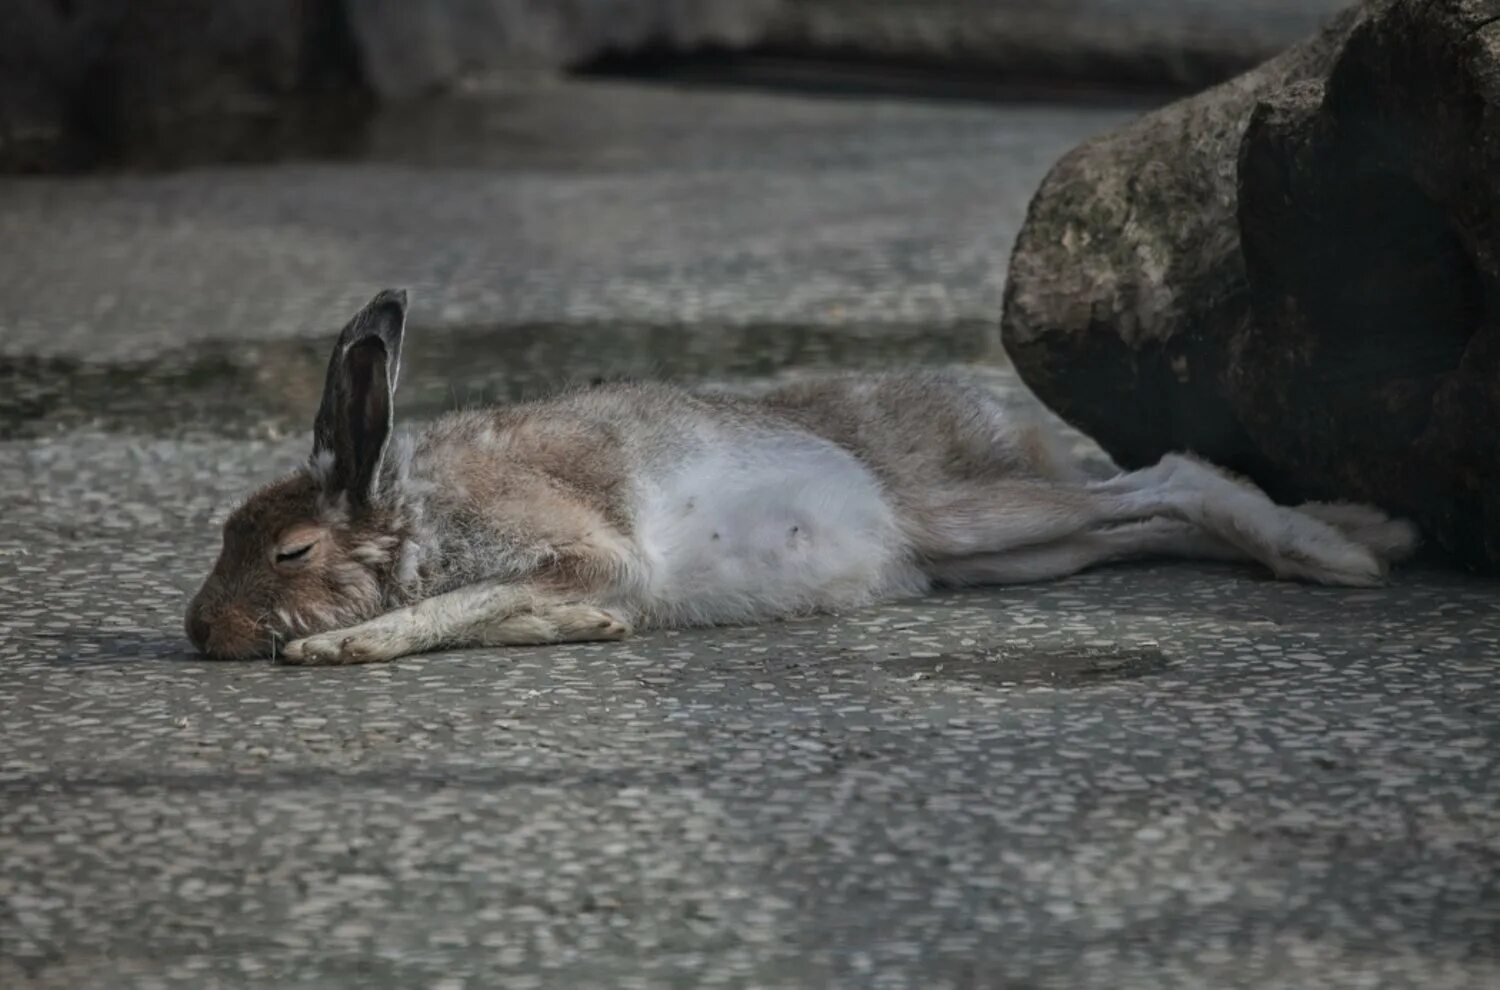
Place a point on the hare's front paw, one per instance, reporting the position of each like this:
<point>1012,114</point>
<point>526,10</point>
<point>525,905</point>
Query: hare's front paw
<point>582,623</point>
<point>342,646</point>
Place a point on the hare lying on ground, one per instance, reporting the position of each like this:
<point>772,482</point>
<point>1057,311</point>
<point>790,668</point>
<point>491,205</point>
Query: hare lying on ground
<point>584,515</point>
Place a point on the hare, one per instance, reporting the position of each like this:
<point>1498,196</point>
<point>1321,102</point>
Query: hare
<point>583,516</point>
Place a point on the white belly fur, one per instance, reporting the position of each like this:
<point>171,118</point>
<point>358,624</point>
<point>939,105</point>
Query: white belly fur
<point>777,526</point>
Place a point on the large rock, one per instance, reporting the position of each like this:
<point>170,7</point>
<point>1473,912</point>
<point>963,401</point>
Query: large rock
<point>1127,283</point>
<point>1294,274</point>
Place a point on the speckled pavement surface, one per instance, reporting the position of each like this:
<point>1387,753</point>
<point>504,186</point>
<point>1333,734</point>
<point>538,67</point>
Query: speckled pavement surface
<point>1151,776</point>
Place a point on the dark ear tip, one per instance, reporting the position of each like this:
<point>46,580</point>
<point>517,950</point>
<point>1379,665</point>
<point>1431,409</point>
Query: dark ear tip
<point>396,297</point>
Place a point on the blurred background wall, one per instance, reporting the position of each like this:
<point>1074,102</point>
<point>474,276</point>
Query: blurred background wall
<point>85,82</point>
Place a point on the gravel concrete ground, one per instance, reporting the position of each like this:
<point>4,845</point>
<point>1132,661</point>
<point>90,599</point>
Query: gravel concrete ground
<point>1149,776</point>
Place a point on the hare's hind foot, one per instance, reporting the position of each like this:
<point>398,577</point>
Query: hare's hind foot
<point>1389,539</point>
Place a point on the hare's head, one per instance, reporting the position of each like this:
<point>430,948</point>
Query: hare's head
<point>316,551</point>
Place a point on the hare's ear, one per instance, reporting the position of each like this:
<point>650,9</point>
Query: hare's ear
<point>357,414</point>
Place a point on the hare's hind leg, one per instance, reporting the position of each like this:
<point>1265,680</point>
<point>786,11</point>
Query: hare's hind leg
<point>968,518</point>
<point>490,614</point>
<point>1157,537</point>
<point>1015,515</point>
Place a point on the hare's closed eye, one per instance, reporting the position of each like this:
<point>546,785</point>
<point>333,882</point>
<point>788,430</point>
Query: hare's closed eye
<point>287,554</point>
<point>296,546</point>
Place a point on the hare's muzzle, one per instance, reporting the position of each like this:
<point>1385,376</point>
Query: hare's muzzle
<point>223,632</point>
